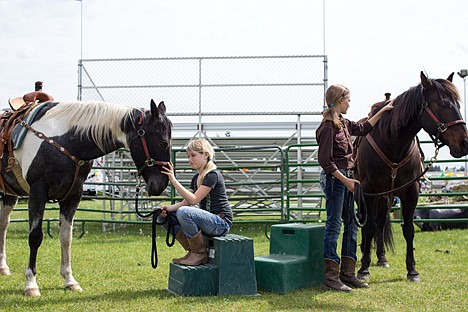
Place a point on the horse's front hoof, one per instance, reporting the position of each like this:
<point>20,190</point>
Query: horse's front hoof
<point>363,277</point>
<point>414,278</point>
<point>383,264</point>
<point>5,271</point>
<point>32,292</point>
<point>74,287</point>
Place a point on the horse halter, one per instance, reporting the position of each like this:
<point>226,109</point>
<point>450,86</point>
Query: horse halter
<point>441,126</point>
<point>149,162</point>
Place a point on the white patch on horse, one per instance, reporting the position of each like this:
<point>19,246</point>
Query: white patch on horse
<point>50,128</point>
<point>31,290</point>
<point>101,119</point>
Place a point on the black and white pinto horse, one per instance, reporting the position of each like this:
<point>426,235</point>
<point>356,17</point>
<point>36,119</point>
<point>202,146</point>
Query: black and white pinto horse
<point>56,156</point>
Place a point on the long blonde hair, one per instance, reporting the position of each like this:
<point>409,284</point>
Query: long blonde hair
<point>202,146</point>
<point>333,96</point>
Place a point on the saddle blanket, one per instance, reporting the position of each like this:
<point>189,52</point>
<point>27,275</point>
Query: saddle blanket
<point>19,131</point>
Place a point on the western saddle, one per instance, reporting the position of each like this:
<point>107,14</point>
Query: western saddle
<point>31,97</point>
<point>20,107</point>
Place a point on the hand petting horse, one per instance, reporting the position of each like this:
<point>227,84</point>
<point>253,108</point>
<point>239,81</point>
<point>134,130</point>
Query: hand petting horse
<point>50,155</point>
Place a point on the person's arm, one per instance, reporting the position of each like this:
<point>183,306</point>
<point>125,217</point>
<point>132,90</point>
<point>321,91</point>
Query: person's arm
<point>373,120</point>
<point>325,137</point>
<point>191,198</point>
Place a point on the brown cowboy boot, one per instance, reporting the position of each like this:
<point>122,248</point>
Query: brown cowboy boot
<point>332,277</point>
<point>198,252</point>
<point>347,276</point>
<point>183,240</point>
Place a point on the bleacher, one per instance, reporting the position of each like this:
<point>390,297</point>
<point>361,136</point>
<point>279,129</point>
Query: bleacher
<point>253,166</point>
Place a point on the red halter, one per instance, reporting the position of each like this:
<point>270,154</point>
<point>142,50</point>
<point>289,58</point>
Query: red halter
<point>149,162</point>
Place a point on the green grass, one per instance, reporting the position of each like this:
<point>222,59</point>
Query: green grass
<point>114,269</point>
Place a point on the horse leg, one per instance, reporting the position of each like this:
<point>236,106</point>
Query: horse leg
<point>380,240</point>
<point>408,233</point>
<point>6,206</point>
<point>381,255</point>
<point>37,200</point>
<point>67,213</point>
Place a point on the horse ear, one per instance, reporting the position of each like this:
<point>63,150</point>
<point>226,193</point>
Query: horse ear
<point>154,109</point>
<point>450,77</point>
<point>424,81</point>
<point>162,107</point>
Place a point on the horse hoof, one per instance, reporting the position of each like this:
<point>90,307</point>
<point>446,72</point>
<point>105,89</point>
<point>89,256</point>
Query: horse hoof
<point>414,278</point>
<point>383,264</point>
<point>363,277</point>
<point>74,287</point>
<point>32,292</point>
<point>5,271</point>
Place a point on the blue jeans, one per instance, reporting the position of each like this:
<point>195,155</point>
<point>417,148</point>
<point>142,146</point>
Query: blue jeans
<point>193,219</point>
<point>337,198</point>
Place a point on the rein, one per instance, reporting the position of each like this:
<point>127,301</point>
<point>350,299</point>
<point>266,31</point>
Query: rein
<point>170,220</point>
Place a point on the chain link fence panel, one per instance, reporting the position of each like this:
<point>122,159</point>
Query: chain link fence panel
<point>282,85</point>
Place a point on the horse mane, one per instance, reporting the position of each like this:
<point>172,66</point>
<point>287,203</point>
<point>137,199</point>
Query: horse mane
<point>100,121</point>
<point>407,106</point>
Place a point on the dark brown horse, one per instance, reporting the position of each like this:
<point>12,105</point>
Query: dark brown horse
<point>433,105</point>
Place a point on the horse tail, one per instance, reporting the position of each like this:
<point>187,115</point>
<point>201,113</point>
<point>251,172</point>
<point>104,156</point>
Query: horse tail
<point>388,234</point>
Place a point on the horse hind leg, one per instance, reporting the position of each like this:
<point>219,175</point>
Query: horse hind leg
<point>67,212</point>
<point>65,242</point>
<point>6,206</point>
<point>381,254</point>
<point>384,235</point>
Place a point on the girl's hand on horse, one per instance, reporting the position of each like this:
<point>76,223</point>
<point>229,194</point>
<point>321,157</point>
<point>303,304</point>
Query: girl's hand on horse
<point>388,107</point>
<point>168,170</point>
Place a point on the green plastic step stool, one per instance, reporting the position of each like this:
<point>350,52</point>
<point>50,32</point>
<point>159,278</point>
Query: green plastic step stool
<point>234,257</point>
<point>230,270</point>
<point>200,280</point>
<point>295,260</point>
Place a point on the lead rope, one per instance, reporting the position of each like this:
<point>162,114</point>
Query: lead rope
<point>171,221</point>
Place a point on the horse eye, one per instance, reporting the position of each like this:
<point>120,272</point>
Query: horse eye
<point>163,144</point>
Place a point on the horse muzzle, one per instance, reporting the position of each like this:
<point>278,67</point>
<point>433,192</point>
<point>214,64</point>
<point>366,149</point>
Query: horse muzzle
<point>156,185</point>
<point>459,148</point>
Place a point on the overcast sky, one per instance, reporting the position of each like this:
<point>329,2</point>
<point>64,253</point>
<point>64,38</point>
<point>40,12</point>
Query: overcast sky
<point>372,46</point>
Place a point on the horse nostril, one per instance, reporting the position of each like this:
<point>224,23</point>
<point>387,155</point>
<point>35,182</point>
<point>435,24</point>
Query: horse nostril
<point>464,145</point>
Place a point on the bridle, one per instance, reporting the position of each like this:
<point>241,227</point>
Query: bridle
<point>441,126</point>
<point>149,162</point>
